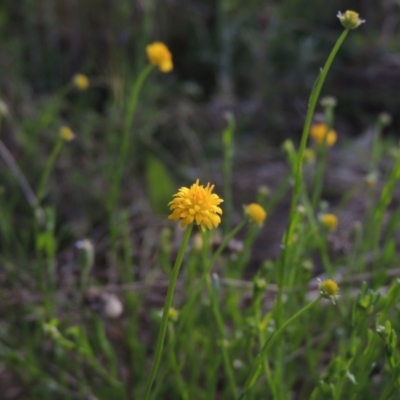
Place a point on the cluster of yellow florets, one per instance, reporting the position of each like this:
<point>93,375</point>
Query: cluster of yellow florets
<point>322,134</point>
<point>81,82</point>
<point>198,205</point>
<point>350,19</point>
<point>329,289</point>
<point>329,220</point>
<point>159,55</point>
<point>67,134</point>
<point>255,213</point>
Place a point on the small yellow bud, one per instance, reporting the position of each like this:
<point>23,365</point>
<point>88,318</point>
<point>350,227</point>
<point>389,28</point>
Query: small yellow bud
<point>321,134</point>
<point>350,19</point>
<point>309,156</point>
<point>159,55</point>
<point>173,314</point>
<point>81,82</point>
<point>329,220</point>
<point>329,289</point>
<point>328,101</point>
<point>67,134</point>
<point>288,146</point>
<point>256,213</point>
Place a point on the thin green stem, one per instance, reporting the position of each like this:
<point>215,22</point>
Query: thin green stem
<point>322,153</point>
<point>298,171</point>
<point>227,141</point>
<point>255,372</point>
<point>195,293</point>
<point>225,242</point>
<point>167,306</point>
<point>123,151</point>
<point>221,330</point>
<point>47,170</point>
<point>174,362</point>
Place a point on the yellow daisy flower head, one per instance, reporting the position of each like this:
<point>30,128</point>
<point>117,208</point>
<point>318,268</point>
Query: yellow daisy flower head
<point>320,133</point>
<point>329,220</point>
<point>159,55</point>
<point>350,19</point>
<point>329,289</point>
<point>67,134</point>
<point>81,82</point>
<point>198,205</point>
<point>256,213</point>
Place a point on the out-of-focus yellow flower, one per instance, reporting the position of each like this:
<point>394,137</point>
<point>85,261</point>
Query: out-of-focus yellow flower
<point>159,55</point>
<point>81,81</point>
<point>350,19</point>
<point>329,220</point>
<point>320,133</point>
<point>67,134</point>
<point>329,289</point>
<point>256,213</point>
<point>309,155</point>
<point>196,204</point>
<point>173,314</point>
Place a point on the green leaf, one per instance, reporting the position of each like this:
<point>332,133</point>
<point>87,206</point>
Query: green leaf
<point>160,186</point>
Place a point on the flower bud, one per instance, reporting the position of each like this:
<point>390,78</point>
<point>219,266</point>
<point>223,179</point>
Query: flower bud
<point>350,19</point>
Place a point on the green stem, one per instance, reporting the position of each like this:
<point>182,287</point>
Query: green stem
<point>322,152</point>
<point>53,107</point>
<point>227,141</point>
<point>125,137</point>
<point>221,330</point>
<point>167,306</point>
<point>174,362</point>
<point>298,169</point>
<point>225,242</point>
<point>47,170</point>
<point>196,291</point>
<point>251,380</point>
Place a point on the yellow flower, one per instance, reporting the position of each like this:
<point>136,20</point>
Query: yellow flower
<point>173,314</point>
<point>329,289</point>
<point>350,19</point>
<point>159,54</point>
<point>309,155</point>
<point>196,204</point>
<point>67,134</point>
<point>319,132</point>
<point>256,213</point>
<point>329,220</point>
<point>81,81</point>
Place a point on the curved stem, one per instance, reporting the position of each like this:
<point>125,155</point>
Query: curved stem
<point>167,306</point>
<point>251,380</point>
<point>220,326</point>
<point>298,170</point>
<point>125,136</point>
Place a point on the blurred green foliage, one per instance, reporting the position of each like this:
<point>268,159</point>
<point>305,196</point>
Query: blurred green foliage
<point>259,58</point>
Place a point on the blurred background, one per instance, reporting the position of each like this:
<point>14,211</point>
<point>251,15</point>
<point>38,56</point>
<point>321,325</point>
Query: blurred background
<point>256,59</point>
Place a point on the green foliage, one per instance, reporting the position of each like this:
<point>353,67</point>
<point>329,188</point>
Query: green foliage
<point>86,266</point>
<point>159,184</point>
